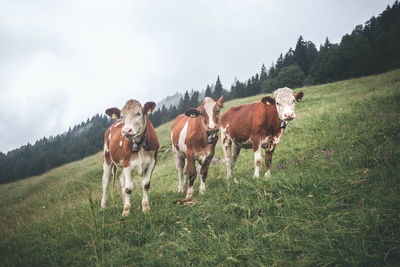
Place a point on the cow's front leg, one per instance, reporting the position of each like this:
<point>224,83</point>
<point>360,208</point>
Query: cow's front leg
<point>268,158</point>
<point>105,180</point>
<point>126,198</point>
<point>148,170</point>
<point>127,173</point>
<point>203,176</point>
<point>192,175</point>
<point>179,164</point>
<point>257,159</point>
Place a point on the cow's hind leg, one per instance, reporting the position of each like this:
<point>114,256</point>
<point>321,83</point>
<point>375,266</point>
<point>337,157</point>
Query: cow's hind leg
<point>107,169</point>
<point>148,170</point>
<point>179,164</point>
<point>227,148</point>
<point>235,153</point>
<point>257,160</point>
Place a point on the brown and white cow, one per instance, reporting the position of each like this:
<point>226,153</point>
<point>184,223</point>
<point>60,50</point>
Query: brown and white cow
<point>194,136</point>
<point>258,125</point>
<point>130,143</point>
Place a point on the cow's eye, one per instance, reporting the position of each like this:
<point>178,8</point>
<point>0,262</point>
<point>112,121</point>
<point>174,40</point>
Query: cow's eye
<point>277,103</point>
<point>217,111</point>
<point>294,100</point>
<point>138,114</point>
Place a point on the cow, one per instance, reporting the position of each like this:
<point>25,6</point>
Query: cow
<point>194,135</point>
<point>257,125</point>
<point>130,143</point>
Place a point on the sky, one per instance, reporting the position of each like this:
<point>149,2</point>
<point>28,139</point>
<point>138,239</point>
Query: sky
<point>62,62</point>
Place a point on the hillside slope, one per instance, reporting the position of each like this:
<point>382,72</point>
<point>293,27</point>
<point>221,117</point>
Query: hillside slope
<point>333,198</point>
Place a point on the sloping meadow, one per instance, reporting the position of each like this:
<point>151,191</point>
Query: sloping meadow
<point>333,198</point>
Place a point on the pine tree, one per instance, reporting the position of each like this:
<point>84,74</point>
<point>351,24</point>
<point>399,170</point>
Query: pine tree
<point>218,90</point>
<point>208,91</point>
<point>263,73</point>
<point>194,99</point>
<point>184,103</point>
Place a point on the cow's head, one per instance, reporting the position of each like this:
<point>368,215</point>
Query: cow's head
<point>209,112</point>
<point>133,116</point>
<point>284,99</point>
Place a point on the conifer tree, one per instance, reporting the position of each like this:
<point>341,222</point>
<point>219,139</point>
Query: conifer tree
<point>218,90</point>
<point>208,91</point>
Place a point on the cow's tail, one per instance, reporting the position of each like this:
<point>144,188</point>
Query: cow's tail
<point>114,173</point>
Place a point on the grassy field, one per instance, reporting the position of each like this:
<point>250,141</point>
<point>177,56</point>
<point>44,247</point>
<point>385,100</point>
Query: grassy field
<point>333,198</point>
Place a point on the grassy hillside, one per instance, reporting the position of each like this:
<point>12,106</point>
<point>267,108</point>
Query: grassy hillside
<point>333,198</point>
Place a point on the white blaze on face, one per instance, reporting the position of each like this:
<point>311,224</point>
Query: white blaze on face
<point>133,117</point>
<point>209,105</point>
<point>285,102</point>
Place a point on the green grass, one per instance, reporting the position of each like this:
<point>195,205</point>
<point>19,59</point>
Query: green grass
<point>333,198</point>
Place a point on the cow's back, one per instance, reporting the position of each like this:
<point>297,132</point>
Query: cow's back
<point>237,121</point>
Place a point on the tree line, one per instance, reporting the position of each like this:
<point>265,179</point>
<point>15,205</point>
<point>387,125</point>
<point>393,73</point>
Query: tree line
<point>81,141</point>
<point>370,48</point>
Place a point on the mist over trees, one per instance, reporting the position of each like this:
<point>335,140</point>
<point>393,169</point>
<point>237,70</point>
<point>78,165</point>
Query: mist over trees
<point>369,49</point>
<point>80,141</point>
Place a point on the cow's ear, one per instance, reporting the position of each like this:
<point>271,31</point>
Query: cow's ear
<point>149,107</point>
<point>267,100</point>
<point>192,113</point>
<point>220,102</point>
<point>299,96</point>
<point>114,113</point>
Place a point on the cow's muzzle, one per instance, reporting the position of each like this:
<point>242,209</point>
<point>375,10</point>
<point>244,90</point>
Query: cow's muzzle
<point>212,136</point>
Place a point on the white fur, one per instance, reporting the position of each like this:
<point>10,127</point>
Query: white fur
<point>209,105</point>
<point>182,138</point>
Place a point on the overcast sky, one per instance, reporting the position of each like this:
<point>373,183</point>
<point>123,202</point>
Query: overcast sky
<point>64,61</point>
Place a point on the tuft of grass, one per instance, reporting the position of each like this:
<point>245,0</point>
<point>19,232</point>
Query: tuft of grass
<point>333,198</point>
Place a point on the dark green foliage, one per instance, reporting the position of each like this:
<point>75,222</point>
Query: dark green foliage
<point>218,90</point>
<point>290,76</point>
<point>81,141</point>
<point>208,91</point>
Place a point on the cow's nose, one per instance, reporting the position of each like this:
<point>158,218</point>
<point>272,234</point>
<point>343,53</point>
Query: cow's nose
<point>289,116</point>
<point>127,131</point>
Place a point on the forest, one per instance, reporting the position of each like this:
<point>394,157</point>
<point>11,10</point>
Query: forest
<point>369,49</point>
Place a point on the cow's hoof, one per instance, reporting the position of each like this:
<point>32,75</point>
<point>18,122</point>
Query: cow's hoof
<point>103,204</point>
<point>127,210</point>
<point>145,207</point>
<point>125,213</point>
<point>202,189</point>
<point>268,173</point>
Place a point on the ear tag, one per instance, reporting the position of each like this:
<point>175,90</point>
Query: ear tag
<point>149,112</point>
<point>192,116</point>
<point>114,116</point>
<point>268,103</point>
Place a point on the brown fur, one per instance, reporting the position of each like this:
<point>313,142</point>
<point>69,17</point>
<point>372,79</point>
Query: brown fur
<point>253,121</point>
<point>196,141</point>
<point>117,153</point>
